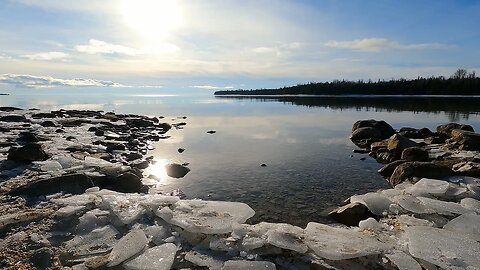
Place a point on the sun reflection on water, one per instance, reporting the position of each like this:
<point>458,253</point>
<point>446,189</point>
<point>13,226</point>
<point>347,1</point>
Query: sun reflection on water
<point>157,170</point>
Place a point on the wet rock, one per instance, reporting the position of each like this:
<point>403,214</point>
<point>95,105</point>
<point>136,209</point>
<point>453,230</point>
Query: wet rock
<point>128,182</point>
<point>10,109</point>
<point>140,164</point>
<point>74,122</point>
<point>374,147</point>
<point>13,118</point>
<point>211,132</point>
<point>44,115</point>
<point>384,156</point>
<point>48,124</point>
<point>387,170</point>
<point>383,127</point>
<point>27,153</point>
<point>263,165</point>
<point>73,183</point>
<point>180,150</point>
<point>446,129</point>
<point>165,126</point>
<point>365,136</point>
<point>133,156</point>
<point>115,147</point>
<point>414,154</point>
<point>28,137</point>
<point>418,169</point>
<point>176,170</point>
<point>42,258</point>
<point>351,214</point>
<point>466,140</point>
<point>435,139</point>
<point>139,122</point>
<point>398,143</point>
<point>414,133</point>
<point>99,132</point>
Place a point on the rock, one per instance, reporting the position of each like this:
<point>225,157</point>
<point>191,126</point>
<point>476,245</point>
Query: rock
<point>48,124</point>
<point>447,128</point>
<point>351,214</point>
<point>251,265</point>
<point>99,132</point>
<point>403,261</point>
<point>28,137</point>
<point>374,147</point>
<point>165,126</point>
<point>128,182</point>
<point>387,170</point>
<point>139,122</point>
<point>398,143</point>
<point>467,168</point>
<point>115,147</point>
<point>211,132</point>
<point>72,183</point>
<point>42,258</point>
<point>418,169</point>
<point>413,133</point>
<point>435,139</point>
<point>383,127</point>
<point>128,246</point>
<point>443,248</point>
<point>363,137</point>
<point>471,204</point>
<point>384,156</point>
<point>74,122</point>
<point>14,219</point>
<point>341,244</point>
<point>44,115</point>
<point>176,170</point>
<point>133,156</point>
<point>27,153</point>
<point>9,109</point>
<point>13,118</point>
<point>180,150</point>
<point>414,154</point>
<point>466,140</point>
<point>156,258</point>
<point>263,165</point>
<point>467,224</point>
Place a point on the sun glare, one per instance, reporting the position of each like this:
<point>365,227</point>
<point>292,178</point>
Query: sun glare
<point>153,19</point>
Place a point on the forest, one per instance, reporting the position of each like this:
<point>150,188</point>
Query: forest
<point>461,82</point>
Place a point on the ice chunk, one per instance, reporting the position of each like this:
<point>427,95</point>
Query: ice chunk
<point>249,243</point>
<point>49,165</point>
<point>156,233</point>
<point>204,259</point>
<point>468,224</point>
<point>125,207</point>
<point>390,193</point>
<point>250,265</point>
<point>222,244</point>
<point>403,261</point>
<point>208,217</point>
<point>87,223</point>
<point>406,220</point>
<point>77,200</point>
<point>443,208</point>
<point>341,244</point>
<point>97,241</point>
<point>287,236</point>
<point>69,210</point>
<point>370,224</point>
<point>471,204</point>
<point>154,201</point>
<point>128,246</point>
<point>377,203</point>
<point>446,249</point>
<point>412,204</point>
<point>156,258</point>
<point>429,187</point>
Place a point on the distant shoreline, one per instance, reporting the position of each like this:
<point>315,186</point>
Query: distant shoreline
<point>4,94</point>
<point>346,96</point>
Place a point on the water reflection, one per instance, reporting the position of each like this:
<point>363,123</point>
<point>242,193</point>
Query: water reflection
<point>156,173</point>
<point>456,108</point>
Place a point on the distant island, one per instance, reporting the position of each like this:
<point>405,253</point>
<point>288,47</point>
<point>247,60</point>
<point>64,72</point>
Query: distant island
<point>4,94</point>
<point>461,82</point>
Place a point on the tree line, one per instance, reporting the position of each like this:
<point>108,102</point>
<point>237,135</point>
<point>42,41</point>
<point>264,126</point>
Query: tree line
<point>462,82</point>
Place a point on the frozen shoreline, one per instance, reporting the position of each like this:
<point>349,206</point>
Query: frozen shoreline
<point>431,222</point>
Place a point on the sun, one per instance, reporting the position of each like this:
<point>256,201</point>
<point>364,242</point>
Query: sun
<point>153,19</point>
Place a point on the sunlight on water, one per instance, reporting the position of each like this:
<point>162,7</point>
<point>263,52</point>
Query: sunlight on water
<point>157,172</point>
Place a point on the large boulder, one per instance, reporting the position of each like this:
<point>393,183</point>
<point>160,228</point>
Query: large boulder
<point>28,153</point>
<point>398,143</point>
<point>387,170</point>
<point>366,132</point>
<point>385,129</point>
<point>414,154</point>
<point>414,133</point>
<point>128,182</point>
<point>350,214</point>
<point>72,183</point>
<point>446,129</point>
<point>409,170</point>
<point>13,118</point>
<point>467,140</point>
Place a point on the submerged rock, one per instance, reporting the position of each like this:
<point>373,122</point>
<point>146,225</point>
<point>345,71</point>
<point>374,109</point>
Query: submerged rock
<point>27,153</point>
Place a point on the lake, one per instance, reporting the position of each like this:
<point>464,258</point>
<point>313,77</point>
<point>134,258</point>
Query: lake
<point>303,141</point>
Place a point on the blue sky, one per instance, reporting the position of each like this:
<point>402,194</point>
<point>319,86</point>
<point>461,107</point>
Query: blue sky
<point>225,44</point>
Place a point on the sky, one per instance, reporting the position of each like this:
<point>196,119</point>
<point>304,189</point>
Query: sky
<point>227,44</point>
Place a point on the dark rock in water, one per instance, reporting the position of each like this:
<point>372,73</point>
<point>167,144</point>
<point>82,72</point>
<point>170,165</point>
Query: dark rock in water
<point>27,136</point>
<point>13,118</point>
<point>28,153</point>
<point>72,183</point>
<point>467,168</point>
<point>74,122</point>
<point>438,139</point>
<point>115,147</point>
<point>364,133</point>
<point>99,132</point>
<point>48,124</point>
<point>4,129</point>
<point>139,122</point>
<point>176,170</point>
<point>351,214</point>
<point>44,115</point>
<point>398,143</point>
<point>133,156</point>
<point>59,131</point>
<point>211,132</point>
<point>409,170</point>
<point>447,128</point>
<point>165,126</point>
<point>128,182</point>
<point>70,138</point>
<point>263,165</point>
<point>387,170</point>
<point>466,140</point>
<point>180,150</point>
<point>414,133</point>
<point>141,164</point>
<point>9,109</point>
<point>414,154</point>
<point>92,129</point>
<point>42,258</point>
<point>383,127</point>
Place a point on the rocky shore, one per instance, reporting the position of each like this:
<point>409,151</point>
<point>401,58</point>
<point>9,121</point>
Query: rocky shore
<point>73,197</point>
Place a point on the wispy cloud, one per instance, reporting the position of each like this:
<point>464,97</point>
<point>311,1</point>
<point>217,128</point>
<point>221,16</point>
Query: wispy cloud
<point>211,87</point>
<point>30,81</point>
<point>47,56</point>
<point>380,44</point>
<point>95,46</point>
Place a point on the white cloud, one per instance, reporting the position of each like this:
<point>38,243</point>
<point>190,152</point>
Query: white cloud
<point>47,56</point>
<point>95,46</point>
<point>30,81</point>
<point>211,87</point>
<point>380,44</point>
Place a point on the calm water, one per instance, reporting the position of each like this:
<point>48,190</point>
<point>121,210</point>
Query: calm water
<point>303,141</point>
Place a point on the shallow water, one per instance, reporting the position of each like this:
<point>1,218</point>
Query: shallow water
<point>303,141</point>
